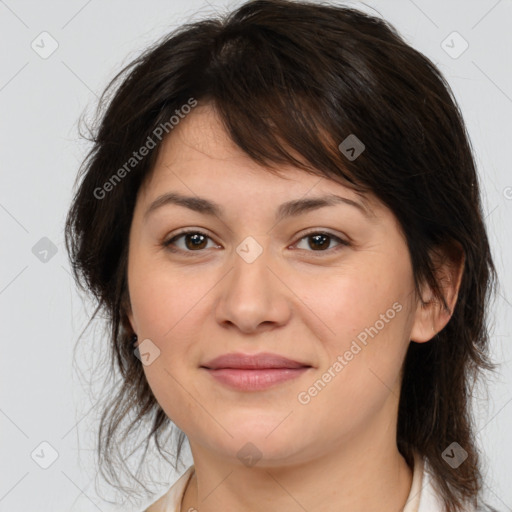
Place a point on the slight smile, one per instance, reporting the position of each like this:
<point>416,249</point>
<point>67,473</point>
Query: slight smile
<point>254,372</point>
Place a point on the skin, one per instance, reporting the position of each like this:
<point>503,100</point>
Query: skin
<point>337,452</point>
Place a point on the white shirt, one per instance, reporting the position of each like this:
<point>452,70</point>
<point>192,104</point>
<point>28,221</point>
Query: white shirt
<point>422,497</point>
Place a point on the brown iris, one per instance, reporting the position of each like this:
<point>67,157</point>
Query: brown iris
<point>317,238</point>
<point>196,241</point>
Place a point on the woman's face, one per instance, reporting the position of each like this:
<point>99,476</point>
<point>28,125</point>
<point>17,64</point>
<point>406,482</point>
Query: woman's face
<point>267,278</point>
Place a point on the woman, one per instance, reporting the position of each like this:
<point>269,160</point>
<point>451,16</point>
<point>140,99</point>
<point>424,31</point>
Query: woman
<point>281,218</point>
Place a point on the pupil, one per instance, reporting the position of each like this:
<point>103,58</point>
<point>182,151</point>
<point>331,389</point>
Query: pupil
<point>317,237</point>
<point>196,238</point>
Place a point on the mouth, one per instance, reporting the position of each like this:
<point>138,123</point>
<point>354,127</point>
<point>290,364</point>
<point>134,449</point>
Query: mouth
<point>254,372</point>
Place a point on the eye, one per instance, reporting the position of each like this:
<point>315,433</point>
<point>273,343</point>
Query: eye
<point>319,241</point>
<point>194,241</point>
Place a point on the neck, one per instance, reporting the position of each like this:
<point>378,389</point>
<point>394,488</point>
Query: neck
<point>355,479</point>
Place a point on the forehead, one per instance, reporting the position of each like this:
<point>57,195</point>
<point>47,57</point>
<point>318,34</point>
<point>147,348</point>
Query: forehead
<point>198,137</point>
<point>199,151</point>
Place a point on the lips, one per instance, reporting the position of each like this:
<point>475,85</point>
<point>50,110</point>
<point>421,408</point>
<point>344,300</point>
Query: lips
<point>253,362</point>
<point>256,372</point>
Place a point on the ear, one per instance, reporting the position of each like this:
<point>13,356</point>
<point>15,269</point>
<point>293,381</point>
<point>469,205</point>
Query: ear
<point>431,316</point>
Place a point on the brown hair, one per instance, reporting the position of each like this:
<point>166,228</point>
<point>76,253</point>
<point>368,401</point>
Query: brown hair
<point>295,78</point>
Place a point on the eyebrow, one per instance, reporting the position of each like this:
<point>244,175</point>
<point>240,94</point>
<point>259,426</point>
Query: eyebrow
<point>289,209</point>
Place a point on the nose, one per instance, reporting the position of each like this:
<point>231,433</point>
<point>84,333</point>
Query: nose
<point>254,295</point>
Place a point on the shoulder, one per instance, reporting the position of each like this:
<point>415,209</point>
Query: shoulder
<point>170,501</point>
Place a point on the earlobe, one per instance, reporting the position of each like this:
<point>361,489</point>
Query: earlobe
<point>432,316</point>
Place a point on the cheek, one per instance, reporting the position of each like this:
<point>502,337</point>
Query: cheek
<point>367,314</point>
<point>166,306</point>
<point>161,297</point>
<point>347,303</point>
<point>175,394</point>
<point>166,313</point>
<point>361,368</point>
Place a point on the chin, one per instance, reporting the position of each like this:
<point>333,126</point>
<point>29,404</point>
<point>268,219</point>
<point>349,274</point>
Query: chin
<point>257,441</point>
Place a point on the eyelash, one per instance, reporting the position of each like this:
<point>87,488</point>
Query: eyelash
<point>167,244</point>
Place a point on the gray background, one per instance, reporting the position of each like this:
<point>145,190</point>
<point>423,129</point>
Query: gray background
<point>44,396</point>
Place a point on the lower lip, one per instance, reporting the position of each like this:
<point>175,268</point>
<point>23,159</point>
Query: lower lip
<point>255,380</point>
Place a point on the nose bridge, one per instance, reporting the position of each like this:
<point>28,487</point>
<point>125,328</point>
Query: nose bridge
<point>250,276</point>
<point>252,261</point>
<point>252,293</point>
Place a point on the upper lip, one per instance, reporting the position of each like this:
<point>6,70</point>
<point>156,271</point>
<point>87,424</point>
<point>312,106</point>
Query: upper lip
<point>253,361</point>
